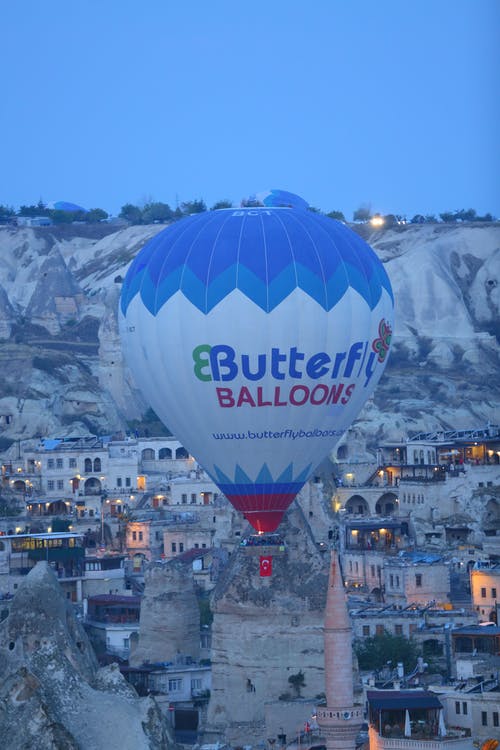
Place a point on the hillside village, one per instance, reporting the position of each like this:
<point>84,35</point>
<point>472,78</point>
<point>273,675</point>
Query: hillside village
<point>156,577</point>
<point>151,556</point>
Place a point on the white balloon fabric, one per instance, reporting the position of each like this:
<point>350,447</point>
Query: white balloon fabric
<point>257,334</point>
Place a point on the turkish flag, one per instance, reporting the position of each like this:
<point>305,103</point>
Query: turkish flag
<point>266,565</point>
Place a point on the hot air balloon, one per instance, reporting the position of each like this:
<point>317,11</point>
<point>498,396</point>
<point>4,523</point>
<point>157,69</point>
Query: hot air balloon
<point>256,335</point>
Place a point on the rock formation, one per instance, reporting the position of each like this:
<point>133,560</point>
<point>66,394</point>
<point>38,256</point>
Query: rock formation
<point>170,616</point>
<point>53,696</point>
<point>266,630</point>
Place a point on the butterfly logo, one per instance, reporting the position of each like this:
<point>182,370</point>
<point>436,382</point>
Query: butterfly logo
<point>381,345</point>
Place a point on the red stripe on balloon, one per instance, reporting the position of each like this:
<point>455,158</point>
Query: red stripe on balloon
<point>264,512</point>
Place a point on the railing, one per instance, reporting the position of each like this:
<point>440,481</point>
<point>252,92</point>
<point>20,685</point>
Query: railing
<point>416,743</point>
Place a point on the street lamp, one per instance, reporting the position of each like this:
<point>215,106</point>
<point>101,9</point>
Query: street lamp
<point>103,499</point>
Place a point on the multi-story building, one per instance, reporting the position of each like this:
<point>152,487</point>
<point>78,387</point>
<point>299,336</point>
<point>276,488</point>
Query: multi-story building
<point>64,551</point>
<point>111,620</point>
<point>416,578</point>
<point>473,706</point>
<point>485,590</point>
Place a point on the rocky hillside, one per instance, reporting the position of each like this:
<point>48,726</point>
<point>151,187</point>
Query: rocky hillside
<point>53,696</point>
<point>61,362</point>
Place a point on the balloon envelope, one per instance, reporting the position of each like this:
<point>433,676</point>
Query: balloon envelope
<point>257,335</point>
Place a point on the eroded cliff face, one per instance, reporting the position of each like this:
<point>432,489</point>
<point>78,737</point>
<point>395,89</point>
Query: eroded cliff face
<point>63,369</point>
<point>265,630</point>
<point>170,616</point>
<point>53,696</point>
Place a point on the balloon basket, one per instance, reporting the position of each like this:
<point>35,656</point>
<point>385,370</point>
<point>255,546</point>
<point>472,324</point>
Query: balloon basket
<point>263,545</point>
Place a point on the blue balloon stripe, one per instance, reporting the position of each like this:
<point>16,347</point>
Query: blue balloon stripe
<point>266,253</point>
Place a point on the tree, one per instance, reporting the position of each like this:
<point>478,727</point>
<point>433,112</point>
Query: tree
<point>297,681</point>
<point>375,652</point>
<point>60,524</point>
<point>39,210</point>
<point>362,213</point>
<point>157,212</point>
<point>338,215</point>
<point>131,213</point>
<point>221,204</point>
<point>193,207</point>
<point>96,214</point>
<point>7,211</point>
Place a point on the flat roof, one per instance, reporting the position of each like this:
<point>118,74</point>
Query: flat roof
<point>48,535</point>
<point>485,630</point>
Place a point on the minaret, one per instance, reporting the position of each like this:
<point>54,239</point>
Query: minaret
<point>340,721</point>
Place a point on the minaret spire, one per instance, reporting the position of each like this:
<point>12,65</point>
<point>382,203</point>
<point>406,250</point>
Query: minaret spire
<point>340,721</point>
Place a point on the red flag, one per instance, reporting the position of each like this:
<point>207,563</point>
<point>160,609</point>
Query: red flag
<point>266,565</point>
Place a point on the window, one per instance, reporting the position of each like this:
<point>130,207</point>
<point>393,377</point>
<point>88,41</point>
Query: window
<point>493,593</point>
<point>391,578</point>
<point>483,593</point>
<point>356,566</point>
<point>157,536</point>
<point>174,684</point>
<point>398,630</point>
<point>418,579</point>
<point>140,536</point>
<point>193,498</point>
<point>379,629</point>
<point>484,718</point>
<point>184,498</point>
<point>181,546</point>
<point>366,630</point>
<point>128,483</point>
<point>60,484</point>
<point>495,719</point>
<point>350,566</point>
<point>50,463</point>
<point>457,707</point>
<point>464,708</point>
<point>72,463</point>
<point>203,546</point>
<point>126,643</point>
<point>87,465</point>
<point>118,481</point>
<point>97,464</point>
<point>134,536</point>
<point>397,581</point>
<point>59,463</point>
<point>174,547</point>
<point>196,546</point>
<point>196,684</point>
<point>50,484</point>
<point>372,569</point>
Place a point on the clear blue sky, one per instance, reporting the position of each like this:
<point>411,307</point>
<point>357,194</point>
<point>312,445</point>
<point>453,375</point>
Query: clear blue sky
<point>391,103</point>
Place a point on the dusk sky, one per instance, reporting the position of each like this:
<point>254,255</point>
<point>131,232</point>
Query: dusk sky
<point>394,104</point>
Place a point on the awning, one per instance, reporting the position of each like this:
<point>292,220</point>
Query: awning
<point>400,700</point>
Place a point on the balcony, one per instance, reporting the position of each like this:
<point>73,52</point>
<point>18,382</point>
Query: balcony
<point>454,740</point>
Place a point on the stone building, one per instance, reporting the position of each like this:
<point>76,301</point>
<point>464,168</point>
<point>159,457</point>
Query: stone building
<point>485,590</point>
